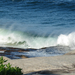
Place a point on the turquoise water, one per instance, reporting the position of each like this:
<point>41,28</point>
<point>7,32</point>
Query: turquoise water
<point>37,23</point>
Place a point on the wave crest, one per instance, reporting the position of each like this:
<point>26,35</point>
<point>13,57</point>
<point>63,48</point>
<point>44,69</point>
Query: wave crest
<point>24,40</point>
<point>67,40</point>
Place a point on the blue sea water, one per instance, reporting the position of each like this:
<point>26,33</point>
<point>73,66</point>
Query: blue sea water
<point>37,23</point>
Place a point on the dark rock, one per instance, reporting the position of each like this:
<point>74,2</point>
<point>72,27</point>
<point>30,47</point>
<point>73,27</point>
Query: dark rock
<point>22,51</point>
<point>22,56</point>
<point>8,51</point>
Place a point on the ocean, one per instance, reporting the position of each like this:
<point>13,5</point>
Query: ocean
<point>37,24</point>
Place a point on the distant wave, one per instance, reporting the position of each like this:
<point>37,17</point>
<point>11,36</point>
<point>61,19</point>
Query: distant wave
<point>23,40</point>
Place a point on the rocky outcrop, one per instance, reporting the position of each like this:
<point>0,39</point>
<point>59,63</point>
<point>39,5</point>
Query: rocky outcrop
<point>8,52</point>
<point>56,64</point>
<point>18,53</point>
<point>6,58</point>
<point>22,56</point>
<point>71,53</point>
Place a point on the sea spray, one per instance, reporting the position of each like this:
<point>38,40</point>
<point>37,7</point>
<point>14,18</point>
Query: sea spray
<point>67,40</point>
<point>24,40</point>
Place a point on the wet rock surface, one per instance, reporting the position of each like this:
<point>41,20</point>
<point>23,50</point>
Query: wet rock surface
<point>53,65</point>
<point>8,52</point>
<point>18,53</point>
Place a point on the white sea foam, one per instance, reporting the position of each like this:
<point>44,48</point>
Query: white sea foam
<point>17,39</point>
<point>67,40</point>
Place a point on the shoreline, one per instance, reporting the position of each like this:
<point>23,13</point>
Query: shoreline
<point>19,53</point>
<point>55,65</point>
<point>58,65</point>
<point>7,51</point>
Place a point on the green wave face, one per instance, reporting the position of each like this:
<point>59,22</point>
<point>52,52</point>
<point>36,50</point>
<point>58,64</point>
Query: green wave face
<point>24,40</point>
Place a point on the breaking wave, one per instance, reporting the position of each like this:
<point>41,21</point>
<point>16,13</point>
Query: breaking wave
<point>24,40</point>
